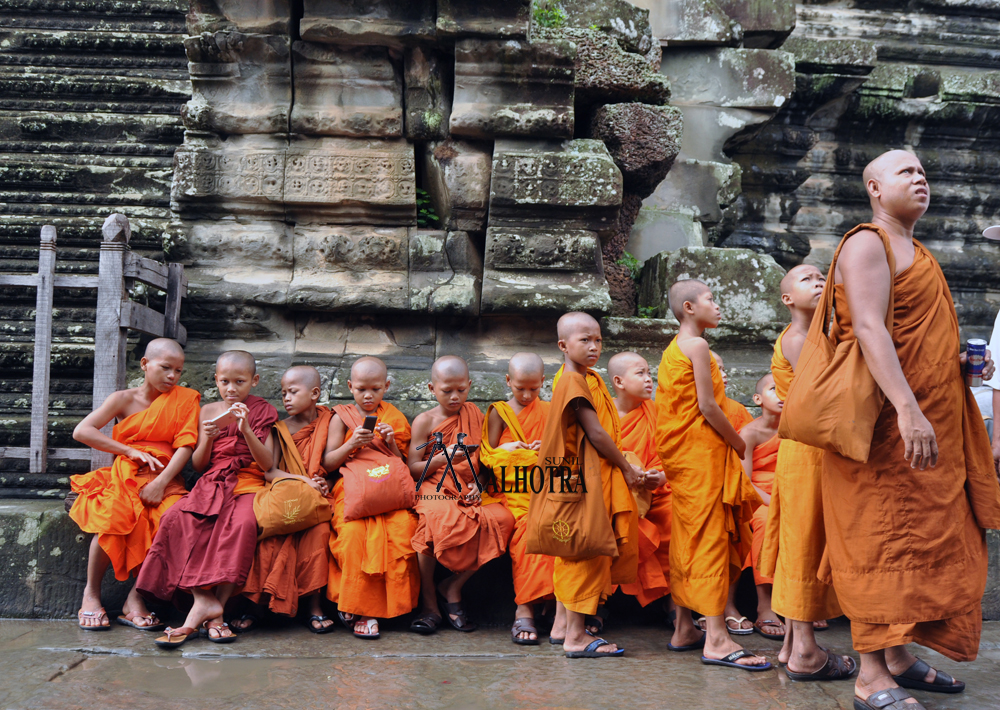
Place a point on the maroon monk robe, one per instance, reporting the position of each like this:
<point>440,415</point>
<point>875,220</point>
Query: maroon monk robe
<point>209,537</point>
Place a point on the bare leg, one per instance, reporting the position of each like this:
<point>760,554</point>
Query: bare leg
<point>577,638</point>
<point>719,644</point>
<point>222,594</point>
<point>451,588</point>
<point>766,613</point>
<point>135,604</point>
<point>786,648</point>
<point>205,608</point>
<point>526,611</point>
<point>97,565</point>
<point>898,659</point>
<point>316,609</point>
<point>875,676</point>
<point>559,624</point>
<point>685,632</point>
<point>732,611</point>
<point>804,655</point>
<point>428,596</point>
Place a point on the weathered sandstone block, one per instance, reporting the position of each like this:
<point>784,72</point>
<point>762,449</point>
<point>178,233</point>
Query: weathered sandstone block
<point>428,79</point>
<point>553,249</point>
<point>688,22</point>
<point>343,91</point>
<point>765,23</point>
<point>466,18</point>
<point>627,22</point>
<point>737,78</point>
<point>513,88</point>
<point>643,140</point>
<point>446,273</point>
<point>257,16</point>
<point>388,22</point>
<point>458,182</point>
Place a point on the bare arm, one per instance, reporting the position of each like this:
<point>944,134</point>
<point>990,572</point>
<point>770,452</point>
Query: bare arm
<point>752,440</point>
<point>865,273</point>
<point>697,351</point>
<point>338,450</point>
<point>88,432</point>
<point>422,426</point>
<point>602,441</point>
<point>207,433</point>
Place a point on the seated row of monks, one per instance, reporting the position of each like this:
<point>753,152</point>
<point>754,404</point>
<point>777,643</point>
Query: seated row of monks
<point>686,481</point>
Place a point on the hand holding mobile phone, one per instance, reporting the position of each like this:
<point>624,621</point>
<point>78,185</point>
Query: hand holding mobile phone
<point>370,422</point>
<point>223,420</point>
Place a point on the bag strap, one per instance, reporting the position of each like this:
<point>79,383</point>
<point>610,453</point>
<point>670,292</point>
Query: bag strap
<point>289,451</point>
<point>828,299</point>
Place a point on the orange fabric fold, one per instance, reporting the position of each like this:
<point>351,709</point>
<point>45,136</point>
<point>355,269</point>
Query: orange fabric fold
<point>373,568</point>
<point>765,457</point>
<point>713,500</point>
<point>108,502</point>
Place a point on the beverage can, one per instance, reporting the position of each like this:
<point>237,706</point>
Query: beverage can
<point>975,350</point>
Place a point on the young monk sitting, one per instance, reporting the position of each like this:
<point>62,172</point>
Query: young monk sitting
<point>206,542</point>
<point>512,435</point>
<point>287,568</point>
<point>713,502</point>
<point>373,572</point>
<point>156,430</point>
<point>633,387</point>
<point>580,400</point>
<point>761,437</point>
<point>454,527</point>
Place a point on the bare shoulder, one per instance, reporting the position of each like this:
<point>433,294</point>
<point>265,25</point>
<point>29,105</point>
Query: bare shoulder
<point>753,433</point>
<point>212,409</point>
<point>425,421</point>
<point>862,252</point>
<point>694,348</point>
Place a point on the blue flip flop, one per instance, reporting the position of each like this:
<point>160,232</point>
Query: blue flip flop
<point>730,661</point>
<point>592,652</point>
<point>690,647</point>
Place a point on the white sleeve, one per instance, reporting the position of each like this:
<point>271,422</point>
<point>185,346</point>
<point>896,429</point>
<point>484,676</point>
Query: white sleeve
<point>994,348</point>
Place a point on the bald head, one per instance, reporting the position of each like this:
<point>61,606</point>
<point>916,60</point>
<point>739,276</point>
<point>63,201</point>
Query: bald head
<point>369,367</point>
<point>795,273</point>
<point>876,169</point>
<point>163,347</point>
<point>571,323</point>
<point>239,359</point>
<point>524,365</point>
<point>449,367</point>
<point>686,290</point>
<point>620,364</point>
<point>763,383</point>
<point>717,358</point>
<point>305,375</point>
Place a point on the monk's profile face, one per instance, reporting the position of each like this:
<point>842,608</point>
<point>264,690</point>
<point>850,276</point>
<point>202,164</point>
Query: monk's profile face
<point>767,397</point>
<point>722,369</point>
<point>163,370</point>
<point>234,380</point>
<point>703,309</point>
<point>451,390</point>
<point>897,185</point>
<point>525,387</point>
<point>368,388</point>
<point>636,381</point>
<point>583,344</point>
<point>297,396</point>
<point>804,287</point>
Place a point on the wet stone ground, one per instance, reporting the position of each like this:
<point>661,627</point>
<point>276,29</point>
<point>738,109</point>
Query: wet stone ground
<point>52,664</point>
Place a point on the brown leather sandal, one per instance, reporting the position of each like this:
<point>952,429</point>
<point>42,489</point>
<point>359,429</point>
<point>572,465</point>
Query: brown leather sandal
<point>100,614</point>
<point>176,637</point>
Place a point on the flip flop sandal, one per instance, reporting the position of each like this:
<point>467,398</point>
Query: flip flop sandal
<point>462,622</point>
<point>176,637</point>
<point>254,621</point>
<point>129,620</point>
<point>555,641</point>
<point>597,620</point>
<point>425,624</point>
<point>759,625</point>
<point>739,622</point>
<point>521,626</point>
<point>346,619</point>
<point>690,647</point>
<point>821,628</point>
<point>81,615</point>
<point>369,625</point>
<point>730,661</point>
<point>837,667</point>
<point>913,678</point>
<point>206,632</point>
<point>592,652</point>
<point>701,622</point>
<point>319,618</point>
<point>888,699</point>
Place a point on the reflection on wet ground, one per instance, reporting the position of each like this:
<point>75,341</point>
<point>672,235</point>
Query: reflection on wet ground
<point>54,665</point>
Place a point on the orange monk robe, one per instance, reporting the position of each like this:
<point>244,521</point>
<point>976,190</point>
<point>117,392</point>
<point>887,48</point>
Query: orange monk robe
<point>765,457</point>
<point>373,568</point>
<point>581,583</point>
<point>286,567</point>
<point>512,471</point>
<point>713,500</point>
<point>906,549</point>
<point>794,537</point>
<point>108,502</point>
<point>462,536</point>
<point>653,577</point>
<point>736,413</point>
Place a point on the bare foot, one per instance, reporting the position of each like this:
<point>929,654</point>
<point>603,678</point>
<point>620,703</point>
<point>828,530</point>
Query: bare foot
<point>206,607</point>
<point>525,611</point>
<point>821,625</point>
<point>136,605</point>
<point>735,621</point>
<point>808,662</point>
<point>361,627</point>
<point>685,635</point>
<point>899,660</point>
<point>580,642</point>
<point>866,687</point>
<point>92,603</point>
<point>774,629</point>
<point>218,629</point>
<point>717,649</point>
<point>786,648</point>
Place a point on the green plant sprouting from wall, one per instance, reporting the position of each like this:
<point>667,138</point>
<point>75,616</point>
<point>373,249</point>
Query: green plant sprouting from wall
<point>633,265</point>
<point>548,13</point>
<point>426,216</point>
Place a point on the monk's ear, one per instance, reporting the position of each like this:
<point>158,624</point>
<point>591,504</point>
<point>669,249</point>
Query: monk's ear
<point>562,345</point>
<point>142,364</point>
<point>617,382</point>
<point>688,308</point>
<point>255,380</point>
<point>387,384</point>
<point>430,385</point>
<point>757,399</point>
<point>315,394</point>
<point>786,298</point>
<point>874,189</point>
<point>508,379</point>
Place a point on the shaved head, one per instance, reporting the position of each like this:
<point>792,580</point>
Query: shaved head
<point>448,367</point>
<point>237,358</point>
<point>526,365</point>
<point>572,322</point>
<point>163,347</point>
<point>619,364</point>
<point>717,357</point>
<point>794,273</point>
<point>764,382</point>
<point>875,169</point>
<point>305,375</point>
<point>369,366</point>
<point>685,290</point>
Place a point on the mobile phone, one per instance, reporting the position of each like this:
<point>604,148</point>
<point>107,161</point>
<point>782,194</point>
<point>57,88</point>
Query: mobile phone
<point>370,422</point>
<point>224,419</point>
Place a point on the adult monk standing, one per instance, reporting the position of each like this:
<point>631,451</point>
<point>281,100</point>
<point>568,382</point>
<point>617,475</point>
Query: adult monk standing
<point>906,547</point>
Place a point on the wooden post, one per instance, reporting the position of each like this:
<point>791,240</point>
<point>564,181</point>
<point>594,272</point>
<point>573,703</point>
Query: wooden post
<point>38,450</point>
<point>176,288</point>
<point>110,338</point>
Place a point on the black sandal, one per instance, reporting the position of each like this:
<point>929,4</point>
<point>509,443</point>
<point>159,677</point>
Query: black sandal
<point>837,667</point>
<point>462,622</point>
<point>322,629</point>
<point>888,699</point>
<point>597,620</point>
<point>524,625</point>
<point>252,618</point>
<point>426,624</point>
<point>206,631</point>
<point>346,619</point>
<point>913,678</point>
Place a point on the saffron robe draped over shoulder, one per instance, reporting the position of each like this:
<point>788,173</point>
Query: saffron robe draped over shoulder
<point>712,499</point>
<point>286,567</point>
<point>209,537</point>
<point>765,458</point>
<point>462,535</point>
<point>653,576</point>
<point>794,536</point>
<point>108,502</point>
<point>580,583</point>
<point>373,568</point>
<point>906,549</point>
<point>532,573</point>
